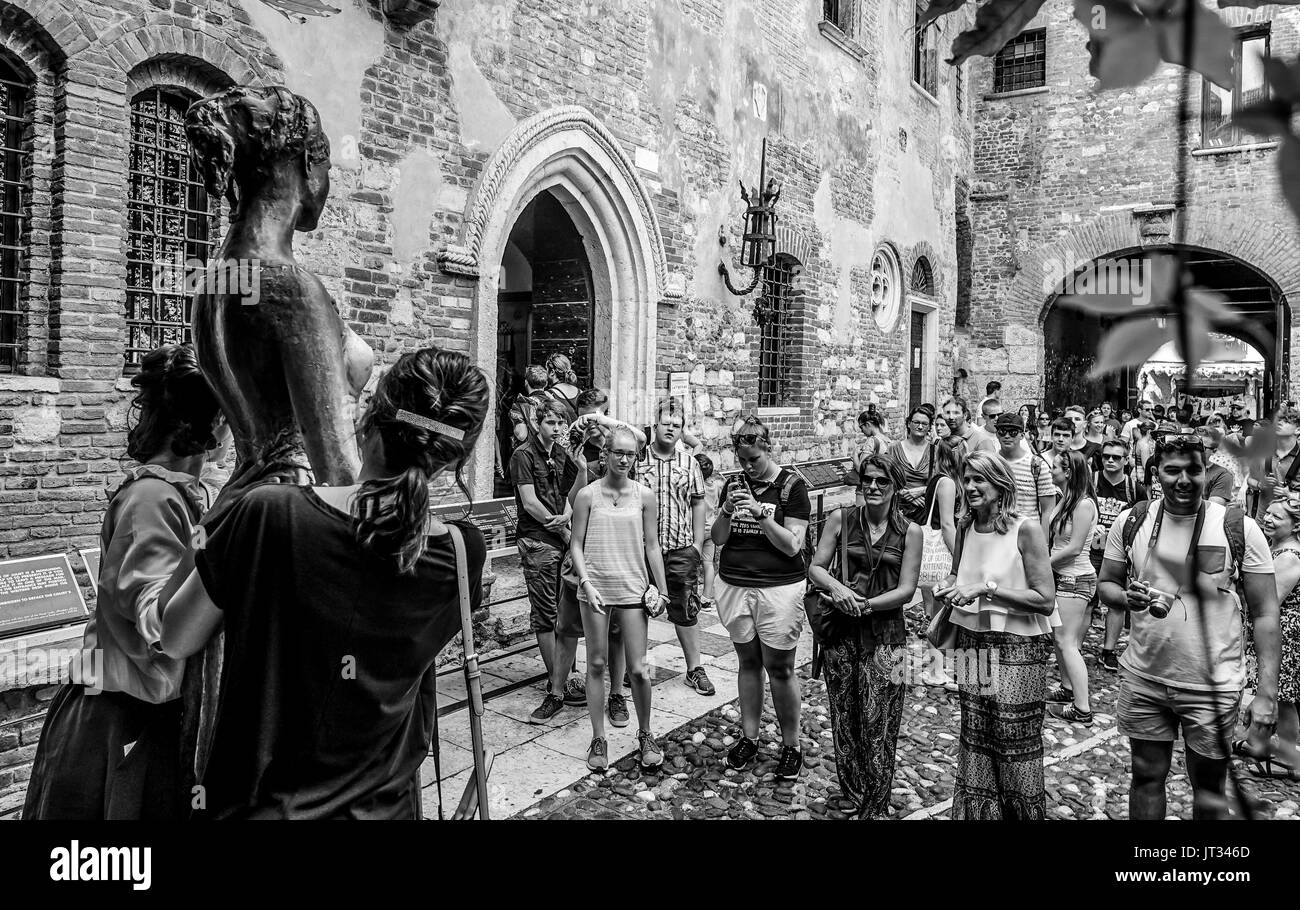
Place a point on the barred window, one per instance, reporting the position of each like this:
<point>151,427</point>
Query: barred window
<point>925,52</point>
<point>1219,105</point>
<point>774,312</point>
<point>959,88</point>
<point>922,277</point>
<point>1022,63</point>
<point>15,179</point>
<point>170,221</point>
<point>839,13</point>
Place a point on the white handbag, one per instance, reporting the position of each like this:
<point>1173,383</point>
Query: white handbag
<point>936,561</point>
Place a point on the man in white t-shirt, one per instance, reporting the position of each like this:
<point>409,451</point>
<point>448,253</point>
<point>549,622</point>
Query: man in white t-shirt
<point>1184,666</point>
<point>1035,492</point>
<point>1146,411</point>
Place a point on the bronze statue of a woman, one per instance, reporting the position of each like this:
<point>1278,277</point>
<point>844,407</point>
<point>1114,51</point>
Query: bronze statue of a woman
<point>285,368</point>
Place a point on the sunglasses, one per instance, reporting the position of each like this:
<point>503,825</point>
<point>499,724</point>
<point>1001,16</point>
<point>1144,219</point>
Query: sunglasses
<point>621,455</point>
<point>748,439</point>
<point>1112,458</point>
<point>1009,431</point>
<point>878,482</point>
<point>1171,441</point>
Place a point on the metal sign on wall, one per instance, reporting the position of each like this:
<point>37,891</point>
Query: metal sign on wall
<point>38,592</point>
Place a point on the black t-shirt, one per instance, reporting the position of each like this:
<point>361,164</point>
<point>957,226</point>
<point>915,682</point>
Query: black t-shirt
<point>1113,498</point>
<point>749,559</point>
<point>1243,425</point>
<point>328,685</point>
<point>551,477</point>
<point>1092,452</point>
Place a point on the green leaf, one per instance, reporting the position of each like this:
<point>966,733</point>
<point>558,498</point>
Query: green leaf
<point>996,23</point>
<point>940,8</point>
<point>1212,42</point>
<point>1283,78</point>
<point>1129,344</point>
<point>1125,60</point>
<point>1267,118</point>
<point>1288,168</point>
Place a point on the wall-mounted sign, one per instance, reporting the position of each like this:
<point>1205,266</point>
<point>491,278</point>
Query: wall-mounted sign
<point>496,518</point>
<point>91,559</point>
<point>38,592</point>
<point>679,387</point>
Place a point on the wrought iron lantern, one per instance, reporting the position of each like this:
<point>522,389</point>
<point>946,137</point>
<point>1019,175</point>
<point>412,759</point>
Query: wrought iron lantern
<point>758,245</point>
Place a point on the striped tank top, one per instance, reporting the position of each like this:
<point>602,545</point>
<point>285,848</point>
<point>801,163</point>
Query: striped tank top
<point>614,547</point>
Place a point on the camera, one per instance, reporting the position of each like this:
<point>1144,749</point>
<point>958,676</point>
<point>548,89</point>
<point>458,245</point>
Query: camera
<point>1161,603</point>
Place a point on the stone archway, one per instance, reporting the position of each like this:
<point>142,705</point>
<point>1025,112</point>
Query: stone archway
<point>570,153</point>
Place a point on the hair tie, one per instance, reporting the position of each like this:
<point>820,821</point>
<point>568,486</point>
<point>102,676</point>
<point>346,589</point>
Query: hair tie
<point>428,423</point>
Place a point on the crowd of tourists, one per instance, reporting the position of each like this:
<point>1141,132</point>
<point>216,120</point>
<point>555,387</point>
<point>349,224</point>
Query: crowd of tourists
<point>246,674</point>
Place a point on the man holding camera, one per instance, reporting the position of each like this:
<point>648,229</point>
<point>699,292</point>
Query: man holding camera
<point>1184,666</point>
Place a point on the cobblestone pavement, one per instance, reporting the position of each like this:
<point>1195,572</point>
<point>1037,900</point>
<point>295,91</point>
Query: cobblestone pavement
<point>1087,768</point>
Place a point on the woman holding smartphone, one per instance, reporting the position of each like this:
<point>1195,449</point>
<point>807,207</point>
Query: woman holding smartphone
<point>615,533</point>
<point>760,588</point>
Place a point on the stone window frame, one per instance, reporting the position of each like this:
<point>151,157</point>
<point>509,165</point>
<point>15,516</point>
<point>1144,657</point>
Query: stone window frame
<point>40,66</point>
<point>925,42</point>
<point>193,78</point>
<point>840,24</point>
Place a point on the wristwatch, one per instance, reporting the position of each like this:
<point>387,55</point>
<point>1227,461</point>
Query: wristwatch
<point>991,587</point>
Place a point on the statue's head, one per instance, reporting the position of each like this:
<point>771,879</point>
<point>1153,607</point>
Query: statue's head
<point>243,136</point>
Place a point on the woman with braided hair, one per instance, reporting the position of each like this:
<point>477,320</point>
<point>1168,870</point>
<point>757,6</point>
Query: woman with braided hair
<point>335,602</point>
<point>285,368</point>
<point>109,748</point>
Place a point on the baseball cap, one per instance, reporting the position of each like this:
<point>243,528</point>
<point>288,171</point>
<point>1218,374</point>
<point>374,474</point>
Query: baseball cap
<point>1010,419</point>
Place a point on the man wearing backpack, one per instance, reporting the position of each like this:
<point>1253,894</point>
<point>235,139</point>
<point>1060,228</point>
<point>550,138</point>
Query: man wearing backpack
<point>1184,666</point>
<point>1116,491</point>
<point>1035,492</point>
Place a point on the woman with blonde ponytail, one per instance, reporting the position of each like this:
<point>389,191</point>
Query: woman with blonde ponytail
<point>335,602</point>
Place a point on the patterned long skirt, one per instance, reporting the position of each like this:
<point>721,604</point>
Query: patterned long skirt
<point>1000,763</point>
<point>865,690</point>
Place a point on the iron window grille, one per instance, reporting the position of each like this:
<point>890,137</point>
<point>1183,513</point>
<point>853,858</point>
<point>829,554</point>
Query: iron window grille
<point>774,314</point>
<point>925,53</point>
<point>171,221</point>
<point>15,179</point>
<point>1022,63</point>
<point>959,90</point>
<point>1219,105</point>
<point>922,278</point>
<point>839,13</point>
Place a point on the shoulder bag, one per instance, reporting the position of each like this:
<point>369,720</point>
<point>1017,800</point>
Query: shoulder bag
<point>936,561</point>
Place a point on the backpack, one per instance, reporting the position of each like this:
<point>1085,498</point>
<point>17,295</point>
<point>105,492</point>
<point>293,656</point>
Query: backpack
<point>809,535</point>
<point>1234,528</point>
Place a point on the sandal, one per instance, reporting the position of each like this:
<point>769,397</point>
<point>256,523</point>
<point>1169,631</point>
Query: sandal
<point>1263,764</point>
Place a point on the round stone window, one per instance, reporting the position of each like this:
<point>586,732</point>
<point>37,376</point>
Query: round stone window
<point>886,288</point>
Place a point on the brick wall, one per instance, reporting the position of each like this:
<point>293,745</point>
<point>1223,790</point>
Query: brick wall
<point>1062,171</point>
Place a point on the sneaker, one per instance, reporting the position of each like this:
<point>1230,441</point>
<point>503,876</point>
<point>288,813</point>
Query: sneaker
<point>1071,713</point>
<point>1059,695</point>
<point>598,754</point>
<point>575,694</point>
<point>742,753</point>
<point>651,755</point>
<point>616,709</point>
<point>1109,660</point>
<point>551,705</point>
<point>698,680</point>
<point>708,603</point>
<point>790,764</point>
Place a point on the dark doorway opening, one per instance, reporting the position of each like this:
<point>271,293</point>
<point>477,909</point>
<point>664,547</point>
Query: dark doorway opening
<point>1071,337</point>
<point>545,306</point>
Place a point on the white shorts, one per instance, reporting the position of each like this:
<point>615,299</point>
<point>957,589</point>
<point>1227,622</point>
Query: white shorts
<point>775,615</point>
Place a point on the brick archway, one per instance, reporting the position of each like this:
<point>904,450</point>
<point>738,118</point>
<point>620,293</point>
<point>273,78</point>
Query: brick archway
<point>130,48</point>
<point>62,32</point>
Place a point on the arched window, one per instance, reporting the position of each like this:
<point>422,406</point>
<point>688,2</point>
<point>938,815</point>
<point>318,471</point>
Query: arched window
<point>886,287</point>
<point>774,311</point>
<point>15,187</point>
<point>171,221</point>
<point>922,277</point>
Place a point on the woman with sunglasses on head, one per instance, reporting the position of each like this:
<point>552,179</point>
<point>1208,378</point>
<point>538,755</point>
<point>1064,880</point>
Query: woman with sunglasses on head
<point>761,528</point>
<point>615,535</point>
<point>914,457</point>
<point>1281,524</point>
<point>335,602</point>
<point>862,630</point>
<point>1004,605</point>
<point>1071,530</point>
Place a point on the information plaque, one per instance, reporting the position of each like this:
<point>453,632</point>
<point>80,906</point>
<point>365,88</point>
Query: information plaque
<point>91,559</point>
<point>496,518</point>
<point>38,592</point>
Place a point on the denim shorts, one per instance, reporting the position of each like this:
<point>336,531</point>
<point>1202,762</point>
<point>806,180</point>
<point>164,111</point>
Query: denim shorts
<point>1082,586</point>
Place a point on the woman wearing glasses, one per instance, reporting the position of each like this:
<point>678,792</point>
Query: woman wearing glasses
<point>614,536</point>
<point>1042,433</point>
<point>760,588</point>
<point>914,458</point>
<point>863,632</point>
<point>1003,602</point>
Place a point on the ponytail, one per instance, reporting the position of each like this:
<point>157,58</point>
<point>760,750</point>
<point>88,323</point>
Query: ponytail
<point>428,410</point>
